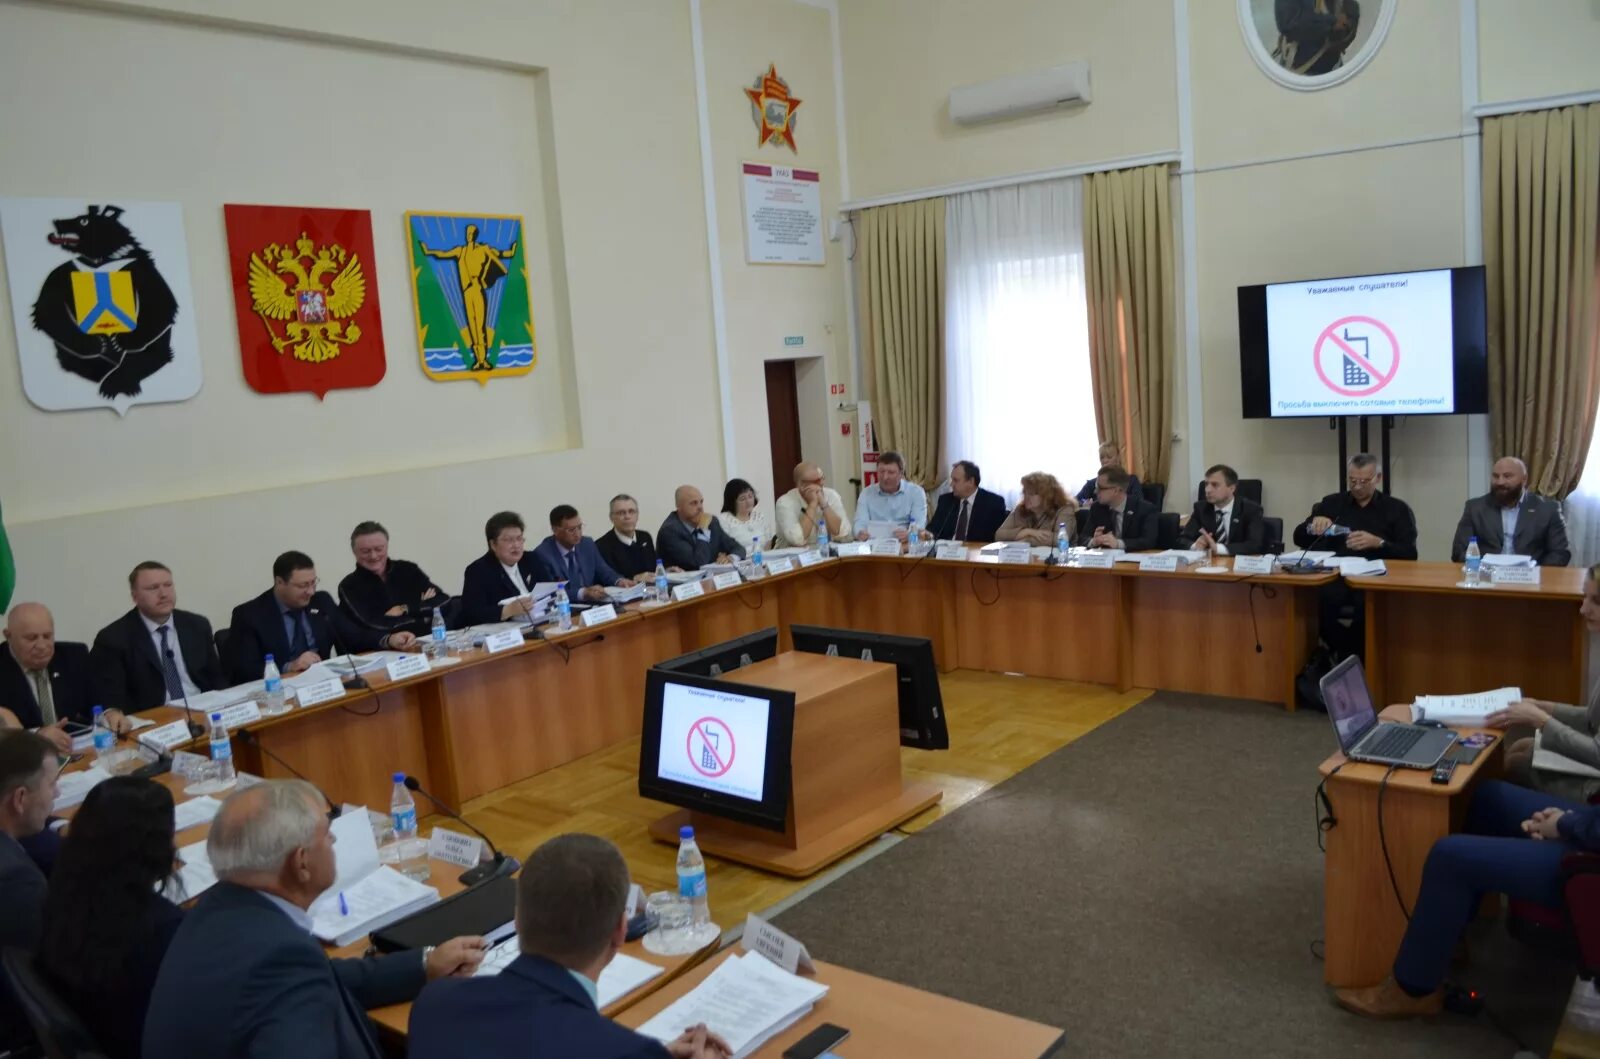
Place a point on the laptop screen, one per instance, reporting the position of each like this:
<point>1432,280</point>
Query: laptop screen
<point>1349,703</point>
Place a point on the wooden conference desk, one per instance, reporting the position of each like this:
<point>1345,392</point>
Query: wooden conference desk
<point>885,1020</point>
<point>487,721</point>
<point>1361,922</point>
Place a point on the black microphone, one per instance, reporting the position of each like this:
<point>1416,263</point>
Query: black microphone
<point>150,769</point>
<point>1304,565</point>
<point>196,729</point>
<point>492,869</point>
<point>355,680</point>
<point>251,739</point>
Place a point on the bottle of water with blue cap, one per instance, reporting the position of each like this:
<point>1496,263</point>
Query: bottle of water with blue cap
<point>692,879</point>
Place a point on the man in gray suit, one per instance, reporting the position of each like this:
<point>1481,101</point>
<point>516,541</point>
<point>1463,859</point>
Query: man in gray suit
<point>690,538</point>
<point>1509,520</point>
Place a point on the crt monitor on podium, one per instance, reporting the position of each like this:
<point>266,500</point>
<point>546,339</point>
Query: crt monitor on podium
<point>922,723</point>
<point>725,657</point>
<point>717,748</point>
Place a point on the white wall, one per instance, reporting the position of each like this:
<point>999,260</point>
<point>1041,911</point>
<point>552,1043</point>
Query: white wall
<point>580,116</point>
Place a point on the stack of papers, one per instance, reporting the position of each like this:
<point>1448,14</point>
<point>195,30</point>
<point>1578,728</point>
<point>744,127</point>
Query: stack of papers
<point>1186,557</point>
<point>746,1001</point>
<point>208,702</point>
<point>625,595</point>
<point>194,812</point>
<point>1355,566</point>
<point>784,553</point>
<point>1507,560</point>
<point>73,787</point>
<point>1473,709</point>
<point>366,895</point>
<point>1551,761</point>
<point>195,876</point>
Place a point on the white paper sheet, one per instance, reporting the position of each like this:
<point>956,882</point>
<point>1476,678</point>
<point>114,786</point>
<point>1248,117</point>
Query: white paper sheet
<point>73,787</point>
<point>1471,709</point>
<point>195,811</point>
<point>623,975</point>
<point>745,1001</point>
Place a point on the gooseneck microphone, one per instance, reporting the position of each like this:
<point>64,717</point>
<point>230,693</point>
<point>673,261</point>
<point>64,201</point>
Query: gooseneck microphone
<point>251,739</point>
<point>196,729</point>
<point>355,679</point>
<point>491,869</point>
<point>1305,565</point>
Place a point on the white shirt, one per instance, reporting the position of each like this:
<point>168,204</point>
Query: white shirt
<point>516,578</point>
<point>189,686</point>
<point>758,525</point>
<point>626,541</point>
<point>1508,525</point>
<point>1223,515</point>
<point>791,507</point>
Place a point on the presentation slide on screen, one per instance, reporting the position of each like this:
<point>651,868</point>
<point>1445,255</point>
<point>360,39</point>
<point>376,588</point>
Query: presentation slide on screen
<point>1364,345</point>
<point>714,740</point>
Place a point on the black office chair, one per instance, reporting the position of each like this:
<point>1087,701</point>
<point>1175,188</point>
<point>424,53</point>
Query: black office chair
<point>1156,493</point>
<point>1167,530</point>
<point>1249,488</point>
<point>220,638</point>
<point>61,1033</point>
<point>1272,535</point>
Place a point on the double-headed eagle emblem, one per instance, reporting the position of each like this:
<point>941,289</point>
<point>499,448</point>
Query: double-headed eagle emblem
<point>286,284</point>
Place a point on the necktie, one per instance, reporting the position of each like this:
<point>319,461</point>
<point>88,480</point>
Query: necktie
<point>961,522</point>
<point>1222,528</point>
<point>169,668</point>
<point>1116,525</point>
<point>46,700</point>
<point>298,646</point>
<point>572,567</point>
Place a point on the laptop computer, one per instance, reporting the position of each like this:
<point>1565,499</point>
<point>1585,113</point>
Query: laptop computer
<point>1363,738</point>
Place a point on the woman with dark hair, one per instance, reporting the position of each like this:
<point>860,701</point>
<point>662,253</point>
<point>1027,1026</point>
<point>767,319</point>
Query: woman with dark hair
<point>742,515</point>
<point>106,924</point>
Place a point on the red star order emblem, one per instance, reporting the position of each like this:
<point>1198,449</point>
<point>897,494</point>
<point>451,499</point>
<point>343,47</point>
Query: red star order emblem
<point>773,108</point>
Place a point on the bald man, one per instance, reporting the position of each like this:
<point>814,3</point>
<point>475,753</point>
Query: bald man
<point>47,683</point>
<point>690,538</point>
<point>1509,520</point>
<point>811,511</point>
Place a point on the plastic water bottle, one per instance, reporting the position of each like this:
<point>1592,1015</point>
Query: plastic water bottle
<point>412,859</point>
<point>222,750</point>
<point>1474,564</point>
<point>563,607</point>
<point>663,588</point>
<point>1062,545</point>
<point>755,555</point>
<point>692,879</point>
<point>272,682</point>
<point>441,635</point>
<point>105,740</point>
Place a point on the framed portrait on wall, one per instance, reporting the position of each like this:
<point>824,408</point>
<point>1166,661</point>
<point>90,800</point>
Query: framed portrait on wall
<point>1312,44</point>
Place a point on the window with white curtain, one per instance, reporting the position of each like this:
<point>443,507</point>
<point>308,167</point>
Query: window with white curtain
<point>1018,389</point>
<point>1582,508</point>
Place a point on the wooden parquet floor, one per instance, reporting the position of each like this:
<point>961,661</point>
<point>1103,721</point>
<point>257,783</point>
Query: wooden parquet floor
<point>999,725</point>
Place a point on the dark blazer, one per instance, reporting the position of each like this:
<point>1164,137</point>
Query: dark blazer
<point>1247,527</point>
<point>258,631</point>
<point>485,583</point>
<point>367,598</point>
<point>1140,522</point>
<point>71,685</point>
<point>592,569</point>
<point>988,514</point>
<point>1086,494</point>
<point>127,671</point>
<point>533,1009</point>
<point>241,979</point>
<point>115,1013</point>
<point>681,548</point>
<point>1541,531</point>
<point>22,891</point>
<point>636,561</point>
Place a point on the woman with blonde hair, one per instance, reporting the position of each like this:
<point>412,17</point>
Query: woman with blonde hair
<point>1044,503</point>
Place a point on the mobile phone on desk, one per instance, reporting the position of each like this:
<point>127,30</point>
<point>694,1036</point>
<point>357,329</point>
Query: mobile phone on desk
<point>815,1043</point>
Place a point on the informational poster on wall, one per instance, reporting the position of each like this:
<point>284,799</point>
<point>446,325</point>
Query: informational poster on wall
<point>867,436</point>
<point>782,215</point>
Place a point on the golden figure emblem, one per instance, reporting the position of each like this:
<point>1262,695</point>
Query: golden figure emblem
<point>287,284</point>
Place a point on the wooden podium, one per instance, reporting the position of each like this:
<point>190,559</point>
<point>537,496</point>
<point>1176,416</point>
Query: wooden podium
<point>845,787</point>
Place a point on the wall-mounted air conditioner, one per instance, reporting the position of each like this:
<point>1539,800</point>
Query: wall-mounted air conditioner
<point>1026,93</point>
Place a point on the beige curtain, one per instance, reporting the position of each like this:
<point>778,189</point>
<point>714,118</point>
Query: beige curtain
<point>1541,197</point>
<point>1127,251</point>
<point>902,299</point>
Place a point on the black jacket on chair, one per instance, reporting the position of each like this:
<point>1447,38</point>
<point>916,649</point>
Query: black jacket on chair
<point>1139,524</point>
<point>241,979</point>
<point>1246,526</point>
<point>485,583</point>
<point>984,520</point>
<point>71,685</point>
<point>129,675</point>
<point>258,631</point>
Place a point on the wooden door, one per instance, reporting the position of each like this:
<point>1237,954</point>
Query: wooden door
<point>783,427</point>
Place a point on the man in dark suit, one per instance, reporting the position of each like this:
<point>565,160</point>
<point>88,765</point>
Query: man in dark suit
<point>46,682</point>
<point>567,555</point>
<point>155,653</point>
<point>571,917</point>
<point>690,538</point>
<point>268,988</point>
<point>1512,521</point>
<point>1118,521</point>
<point>968,512</point>
<point>626,548</point>
<point>1225,523</point>
<point>507,569</point>
<point>385,593</point>
<point>296,624</point>
<point>27,793</point>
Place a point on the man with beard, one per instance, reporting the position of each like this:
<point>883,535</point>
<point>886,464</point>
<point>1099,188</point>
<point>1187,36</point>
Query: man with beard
<point>1509,520</point>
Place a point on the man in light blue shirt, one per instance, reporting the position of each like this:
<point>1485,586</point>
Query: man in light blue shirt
<point>892,499</point>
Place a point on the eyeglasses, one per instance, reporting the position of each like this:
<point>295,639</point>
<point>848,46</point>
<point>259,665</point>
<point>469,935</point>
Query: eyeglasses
<point>1362,481</point>
<point>508,541</point>
<point>306,586</point>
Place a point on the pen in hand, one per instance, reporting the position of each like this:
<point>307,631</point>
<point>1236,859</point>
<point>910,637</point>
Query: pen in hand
<point>344,906</point>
